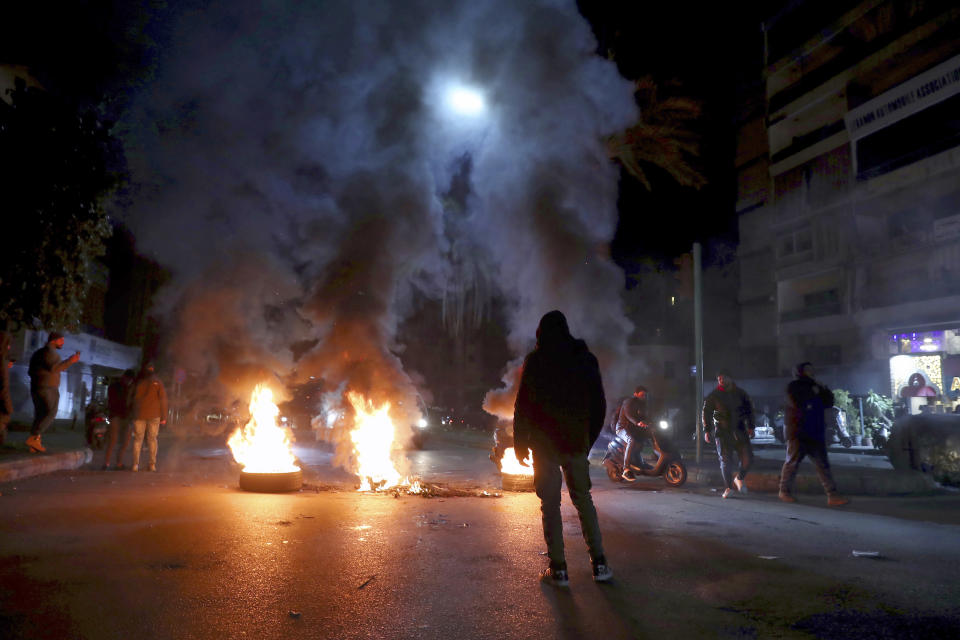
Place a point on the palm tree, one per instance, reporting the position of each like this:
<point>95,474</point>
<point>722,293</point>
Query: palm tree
<point>661,138</point>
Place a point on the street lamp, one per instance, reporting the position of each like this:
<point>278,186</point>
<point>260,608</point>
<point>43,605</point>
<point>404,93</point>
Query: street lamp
<point>465,101</point>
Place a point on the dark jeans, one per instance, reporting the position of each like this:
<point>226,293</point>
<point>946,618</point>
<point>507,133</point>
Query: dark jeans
<point>548,469</point>
<point>728,443</point>
<point>45,403</point>
<point>797,448</point>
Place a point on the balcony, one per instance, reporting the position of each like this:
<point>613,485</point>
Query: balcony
<point>812,311</point>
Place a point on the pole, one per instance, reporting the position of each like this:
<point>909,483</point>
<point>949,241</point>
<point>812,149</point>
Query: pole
<point>698,343</point>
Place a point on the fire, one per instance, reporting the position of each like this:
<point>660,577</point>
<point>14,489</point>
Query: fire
<point>262,446</point>
<point>510,464</point>
<point>372,436</point>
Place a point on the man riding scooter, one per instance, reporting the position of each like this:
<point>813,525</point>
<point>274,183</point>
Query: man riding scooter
<point>633,425</point>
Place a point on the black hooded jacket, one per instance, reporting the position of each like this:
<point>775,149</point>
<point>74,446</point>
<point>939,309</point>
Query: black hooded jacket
<point>6,405</point>
<point>560,404</point>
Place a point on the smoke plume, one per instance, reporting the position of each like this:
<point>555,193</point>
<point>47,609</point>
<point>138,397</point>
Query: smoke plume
<point>301,170</point>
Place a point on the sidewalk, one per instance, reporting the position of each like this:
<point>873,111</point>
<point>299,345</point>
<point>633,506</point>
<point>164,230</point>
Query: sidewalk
<point>66,449</point>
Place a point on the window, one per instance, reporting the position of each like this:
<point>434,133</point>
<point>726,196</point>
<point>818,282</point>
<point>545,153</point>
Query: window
<point>821,298</point>
<point>921,135</point>
<point>795,242</point>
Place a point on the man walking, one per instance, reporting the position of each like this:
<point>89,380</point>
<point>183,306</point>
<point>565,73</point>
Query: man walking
<point>44,371</point>
<point>805,433</point>
<point>728,420</point>
<point>118,407</point>
<point>559,413</point>
<point>149,412</point>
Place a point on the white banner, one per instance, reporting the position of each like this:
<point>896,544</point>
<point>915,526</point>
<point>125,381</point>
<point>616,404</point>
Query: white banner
<point>922,91</point>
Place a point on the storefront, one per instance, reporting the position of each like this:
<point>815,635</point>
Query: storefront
<point>925,370</point>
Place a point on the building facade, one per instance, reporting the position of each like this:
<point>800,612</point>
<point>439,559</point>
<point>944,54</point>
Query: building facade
<point>848,171</point>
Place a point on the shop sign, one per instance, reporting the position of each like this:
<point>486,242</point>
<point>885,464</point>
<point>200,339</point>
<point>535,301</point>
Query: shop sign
<point>910,97</point>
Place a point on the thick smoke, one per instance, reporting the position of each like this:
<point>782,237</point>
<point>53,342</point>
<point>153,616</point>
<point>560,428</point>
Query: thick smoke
<point>303,174</point>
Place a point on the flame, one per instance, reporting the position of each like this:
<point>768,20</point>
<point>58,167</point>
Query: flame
<point>262,446</point>
<point>372,436</point>
<point>509,464</point>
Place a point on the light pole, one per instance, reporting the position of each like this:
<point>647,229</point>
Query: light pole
<point>698,343</point>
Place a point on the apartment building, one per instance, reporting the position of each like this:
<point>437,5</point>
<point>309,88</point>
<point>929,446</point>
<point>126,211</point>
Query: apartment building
<point>848,173</point>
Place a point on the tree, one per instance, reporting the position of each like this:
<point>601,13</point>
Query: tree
<point>57,167</point>
<point>661,138</point>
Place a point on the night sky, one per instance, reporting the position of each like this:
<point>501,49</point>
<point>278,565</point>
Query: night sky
<point>295,157</point>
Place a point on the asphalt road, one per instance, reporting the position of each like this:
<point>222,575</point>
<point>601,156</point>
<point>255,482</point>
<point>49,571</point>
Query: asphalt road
<point>183,553</point>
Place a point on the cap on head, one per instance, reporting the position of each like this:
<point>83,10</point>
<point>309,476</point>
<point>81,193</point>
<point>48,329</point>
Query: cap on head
<point>798,370</point>
<point>54,336</point>
<point>726,373</point>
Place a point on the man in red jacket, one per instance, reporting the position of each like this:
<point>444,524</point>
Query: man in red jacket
<point>118,406</point>
<point>149,402</point>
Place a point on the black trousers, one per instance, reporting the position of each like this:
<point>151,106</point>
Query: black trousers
<point>45,403</point>
<point>548,470</point>
<point>728,443</point>
<point>797,449</point>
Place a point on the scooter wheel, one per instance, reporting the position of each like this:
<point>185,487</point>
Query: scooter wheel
<point>612,472</point>
<point>676,473</point>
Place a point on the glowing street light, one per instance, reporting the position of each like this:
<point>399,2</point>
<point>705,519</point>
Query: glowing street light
<point>466,101</point>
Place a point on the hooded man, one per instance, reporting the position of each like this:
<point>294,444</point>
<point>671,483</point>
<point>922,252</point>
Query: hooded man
<point>559,413</point>
<point>728,420</point>
<point>45,369</point>
<point>805,433</point>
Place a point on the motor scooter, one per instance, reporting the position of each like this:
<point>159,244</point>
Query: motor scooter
<point>668,463</point>
<point>97,422</point>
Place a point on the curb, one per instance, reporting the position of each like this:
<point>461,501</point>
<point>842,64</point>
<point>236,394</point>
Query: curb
<point>41,464</point>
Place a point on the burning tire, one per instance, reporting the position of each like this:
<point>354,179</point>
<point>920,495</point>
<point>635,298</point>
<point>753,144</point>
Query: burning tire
<point>516,482</point>
<point>676,473</point>
<point>271,482</point>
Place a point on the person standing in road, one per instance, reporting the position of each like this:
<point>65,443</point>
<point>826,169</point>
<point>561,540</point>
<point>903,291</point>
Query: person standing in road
<point>805,432</point>
<point>6,403</point>
<point>45,369</point>
<point>728,420</point>
<point>149,411</point>
<point>633,426</point>
<point>558,414</point>
<point>118,408</point>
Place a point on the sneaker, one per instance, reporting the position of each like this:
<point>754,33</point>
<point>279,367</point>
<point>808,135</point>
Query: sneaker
<point>837,500</point>
<point>556,577</point>
<point>119,466</point>
<point>34,444</point>
<point>738,483</point>
<point>135,467</point>
<point>786,497</point>
<point>727,493</point>
<point>628,476</point>
<point>602,573</point>
<point>152,467</point>
<point>105,467</point>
